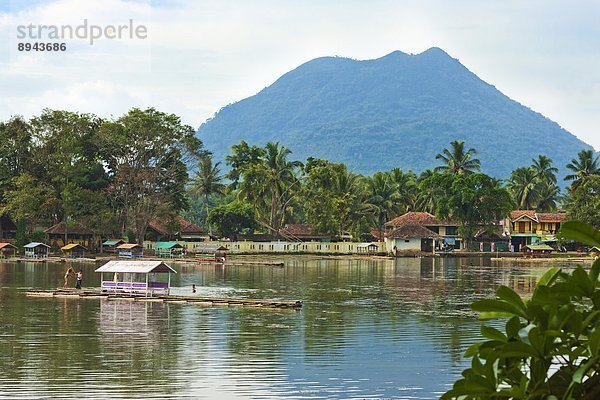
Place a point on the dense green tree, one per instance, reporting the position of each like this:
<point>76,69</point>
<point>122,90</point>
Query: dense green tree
<point>233,218</point>
<point>332,197</point>
<point>57,154</point>
<point>431,190</point>
<point>550,345</point>
<point>269,181</point>
<point>146,153</point>
<point>383,198</point>
<point>458,161</point>
<point>67,155</point>
<point>583,201</point>
<point>15,151</point>
<point>584,165</point>
<point>534,187</point>
<point>476,201</point>
<point>524,187</point>
<point>543,169</point>
<point>406,183</point>
<point>29,201</point>
<point>547,197</point>
<point>242,157</point>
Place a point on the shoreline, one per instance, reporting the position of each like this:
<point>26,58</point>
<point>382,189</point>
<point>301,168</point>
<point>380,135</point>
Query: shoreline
<point>271,259</point>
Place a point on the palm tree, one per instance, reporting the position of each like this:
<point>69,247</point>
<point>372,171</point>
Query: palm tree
<point>269,181</point>
<point>585,165</point>
<point>548,195</point>
<point>281,176</point>
<point>524,187</point>
<point>544,170</point>
<point>353,207</point>
<point>208,180</point>
<point>383,197</point>
<point>457,160</point>
<point>407,187</point>
<point>428,193</point>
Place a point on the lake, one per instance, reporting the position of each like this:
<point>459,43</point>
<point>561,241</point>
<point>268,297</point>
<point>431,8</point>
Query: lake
<point>369,328</point>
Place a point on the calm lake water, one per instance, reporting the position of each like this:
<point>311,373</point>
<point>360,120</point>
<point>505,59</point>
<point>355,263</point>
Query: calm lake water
<point>368,329</point>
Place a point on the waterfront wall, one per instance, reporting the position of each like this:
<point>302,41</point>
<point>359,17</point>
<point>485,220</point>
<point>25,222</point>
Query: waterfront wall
<point>247,247</point>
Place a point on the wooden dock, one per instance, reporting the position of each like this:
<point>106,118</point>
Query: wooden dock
<point>198,300</point>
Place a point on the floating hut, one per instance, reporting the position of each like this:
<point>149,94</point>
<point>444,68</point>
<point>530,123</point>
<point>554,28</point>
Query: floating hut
<point>168,249</point>
<point>130,250</point>
<point>210,252</point>
<point>537,250</point>
<point>136,277</point>
<point>110,245</point>
<point>73,250</point>
<point>36,250</point>
<point>7,250</point>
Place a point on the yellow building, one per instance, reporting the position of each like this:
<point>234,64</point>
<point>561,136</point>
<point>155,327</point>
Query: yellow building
<point>529,227</point>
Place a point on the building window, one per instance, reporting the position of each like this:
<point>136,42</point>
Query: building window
<point>452,230</point>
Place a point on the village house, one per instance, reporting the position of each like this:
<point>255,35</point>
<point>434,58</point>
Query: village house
<point>421,231</point>
<point>63,233</point>
<point>528,227</point>
<point>179,230</point>
<point>8,229</point>
<point>494,238</point>
<point>410,238</point>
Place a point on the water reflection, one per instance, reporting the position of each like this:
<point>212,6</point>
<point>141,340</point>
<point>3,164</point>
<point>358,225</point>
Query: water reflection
<point>369,329</point>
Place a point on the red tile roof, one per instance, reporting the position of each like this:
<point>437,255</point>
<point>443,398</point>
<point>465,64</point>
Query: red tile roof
<point>516,214</point>
<point>73,228</point>
<point>538,217</point>
<point>419,218</point>
<point>6,245</point>
<point>415,218</point>
<point>411,231</point>
<point>163,228</point>
<point>377,233</point>
<point>552,217</point>
<point>301,231</point>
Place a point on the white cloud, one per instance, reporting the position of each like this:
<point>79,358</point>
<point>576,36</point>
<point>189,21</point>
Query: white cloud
<point>202,55</point>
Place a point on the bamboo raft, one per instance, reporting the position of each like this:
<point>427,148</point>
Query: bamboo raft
<point>201,301</point>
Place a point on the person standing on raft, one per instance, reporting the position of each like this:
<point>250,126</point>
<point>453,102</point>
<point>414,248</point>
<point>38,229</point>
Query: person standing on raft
<point>78,280</point>
<point>68,274</point>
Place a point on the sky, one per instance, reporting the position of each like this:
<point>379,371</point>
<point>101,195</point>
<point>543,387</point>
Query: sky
<point>198,56</point>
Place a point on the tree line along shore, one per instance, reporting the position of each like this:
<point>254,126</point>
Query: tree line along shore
<point>117,176</point>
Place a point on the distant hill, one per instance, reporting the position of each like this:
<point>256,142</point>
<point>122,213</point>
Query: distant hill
<point>399,110</point>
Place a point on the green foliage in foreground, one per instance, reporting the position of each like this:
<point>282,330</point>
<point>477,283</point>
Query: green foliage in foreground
<point>550,348</point>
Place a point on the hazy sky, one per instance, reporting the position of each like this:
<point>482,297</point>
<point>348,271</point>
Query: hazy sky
<point>199,56</point>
